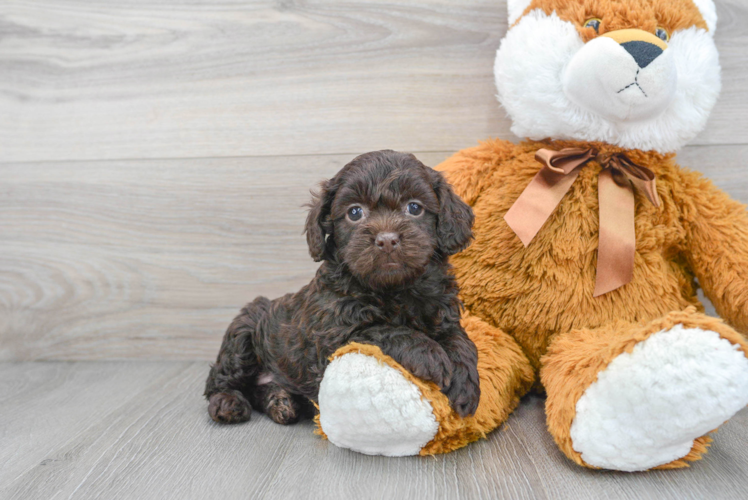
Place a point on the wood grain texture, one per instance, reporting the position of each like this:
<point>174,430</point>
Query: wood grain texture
<point>175,78</point>
<point>141,430</point>
<point>152,259</point>
<point>137,79</point>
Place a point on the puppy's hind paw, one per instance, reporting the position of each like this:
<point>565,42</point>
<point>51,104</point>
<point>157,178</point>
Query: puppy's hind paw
<point>281,407</point>
<point>229,407</point>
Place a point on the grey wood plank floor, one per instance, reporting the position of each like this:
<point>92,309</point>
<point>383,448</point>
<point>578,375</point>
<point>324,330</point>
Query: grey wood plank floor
<point>94,430</point>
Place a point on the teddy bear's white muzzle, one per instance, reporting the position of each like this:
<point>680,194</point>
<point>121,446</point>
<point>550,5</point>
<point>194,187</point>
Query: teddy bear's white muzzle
<point>621,82</point>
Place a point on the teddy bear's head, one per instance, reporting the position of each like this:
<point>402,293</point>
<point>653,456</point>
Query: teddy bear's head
<point>640,74</point>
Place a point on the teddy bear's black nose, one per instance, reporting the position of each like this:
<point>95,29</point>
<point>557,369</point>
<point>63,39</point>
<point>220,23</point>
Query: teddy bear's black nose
<point>642,52</point>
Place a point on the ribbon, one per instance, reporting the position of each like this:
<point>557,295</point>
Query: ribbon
<point>616,182</point>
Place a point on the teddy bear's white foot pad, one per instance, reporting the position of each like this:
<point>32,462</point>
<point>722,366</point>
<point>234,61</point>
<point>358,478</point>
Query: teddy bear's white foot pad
<point>370,407</point>
<point>647,407</point>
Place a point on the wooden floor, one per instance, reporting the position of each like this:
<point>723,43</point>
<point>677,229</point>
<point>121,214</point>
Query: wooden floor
<point>109,430</point>
<point>155,157</point>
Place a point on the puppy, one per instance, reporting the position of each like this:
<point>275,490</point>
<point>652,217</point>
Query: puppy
<point>383,228</point>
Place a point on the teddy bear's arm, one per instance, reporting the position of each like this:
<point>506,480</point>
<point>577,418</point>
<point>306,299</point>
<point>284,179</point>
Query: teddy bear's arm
<point>468,171</point>
<point>717,246</point>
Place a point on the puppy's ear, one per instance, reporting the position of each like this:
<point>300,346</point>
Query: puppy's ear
<point>454,227</point>
<point>318,224</point>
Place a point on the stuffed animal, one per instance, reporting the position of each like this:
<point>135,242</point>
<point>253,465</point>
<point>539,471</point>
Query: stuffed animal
<point>589,241</point>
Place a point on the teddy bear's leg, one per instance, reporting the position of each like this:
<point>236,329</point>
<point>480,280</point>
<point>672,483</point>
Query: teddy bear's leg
<point>370,404</point>
<point>629,397</point>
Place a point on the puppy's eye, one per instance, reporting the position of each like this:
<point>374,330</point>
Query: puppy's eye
<point>355,213</point>
<point>593,23</point>
<point>414,208</point>
<point>662,34</point>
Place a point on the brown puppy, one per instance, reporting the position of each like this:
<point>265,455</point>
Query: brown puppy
<point>384,227</point>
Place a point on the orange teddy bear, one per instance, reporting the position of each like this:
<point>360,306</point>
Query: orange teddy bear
<point>588,241</point>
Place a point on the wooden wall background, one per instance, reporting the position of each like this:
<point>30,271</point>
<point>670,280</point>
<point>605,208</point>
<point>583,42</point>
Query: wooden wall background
<point>155,154</point>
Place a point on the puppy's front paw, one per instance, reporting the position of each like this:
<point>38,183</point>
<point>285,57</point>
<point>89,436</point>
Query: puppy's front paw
<point>464,392</point>
<point>229,407</point>
<point>428,361</point>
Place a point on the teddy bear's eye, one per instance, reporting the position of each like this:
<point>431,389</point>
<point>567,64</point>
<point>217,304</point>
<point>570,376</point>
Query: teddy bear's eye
<point>593,23</point>
<point>662,34</point>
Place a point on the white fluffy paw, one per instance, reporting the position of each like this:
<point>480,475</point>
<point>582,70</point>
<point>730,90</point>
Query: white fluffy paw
<point>647,407</point>
<point>370,407</point>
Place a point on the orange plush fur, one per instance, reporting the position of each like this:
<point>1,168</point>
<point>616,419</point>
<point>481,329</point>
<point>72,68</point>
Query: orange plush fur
<point>542,294</point>
<point>546,288</point>
<point>646,15</point>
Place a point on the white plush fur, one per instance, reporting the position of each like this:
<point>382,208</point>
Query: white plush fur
<point>515,9</point>
<point>709,13</point>
<point>541,52</point>
<point>369,407</point>
<point>647,407</point>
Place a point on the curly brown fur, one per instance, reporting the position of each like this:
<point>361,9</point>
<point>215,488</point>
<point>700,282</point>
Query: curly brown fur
<point>385,280</point>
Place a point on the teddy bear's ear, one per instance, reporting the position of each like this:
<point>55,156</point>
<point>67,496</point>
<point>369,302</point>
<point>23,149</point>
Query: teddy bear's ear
<point>517,7</point>
<point>708,12</point>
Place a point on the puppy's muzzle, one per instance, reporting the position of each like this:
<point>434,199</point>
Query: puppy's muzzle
<point>387,242</point>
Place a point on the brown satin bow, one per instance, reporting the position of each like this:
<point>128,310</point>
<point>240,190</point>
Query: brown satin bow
<point>617,241</point>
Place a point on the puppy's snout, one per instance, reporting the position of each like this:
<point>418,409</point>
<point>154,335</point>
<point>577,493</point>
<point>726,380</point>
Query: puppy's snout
<point>387,242</point>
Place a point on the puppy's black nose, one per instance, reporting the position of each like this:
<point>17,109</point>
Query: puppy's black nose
<point>642,52</point>
<point>387,242</point>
